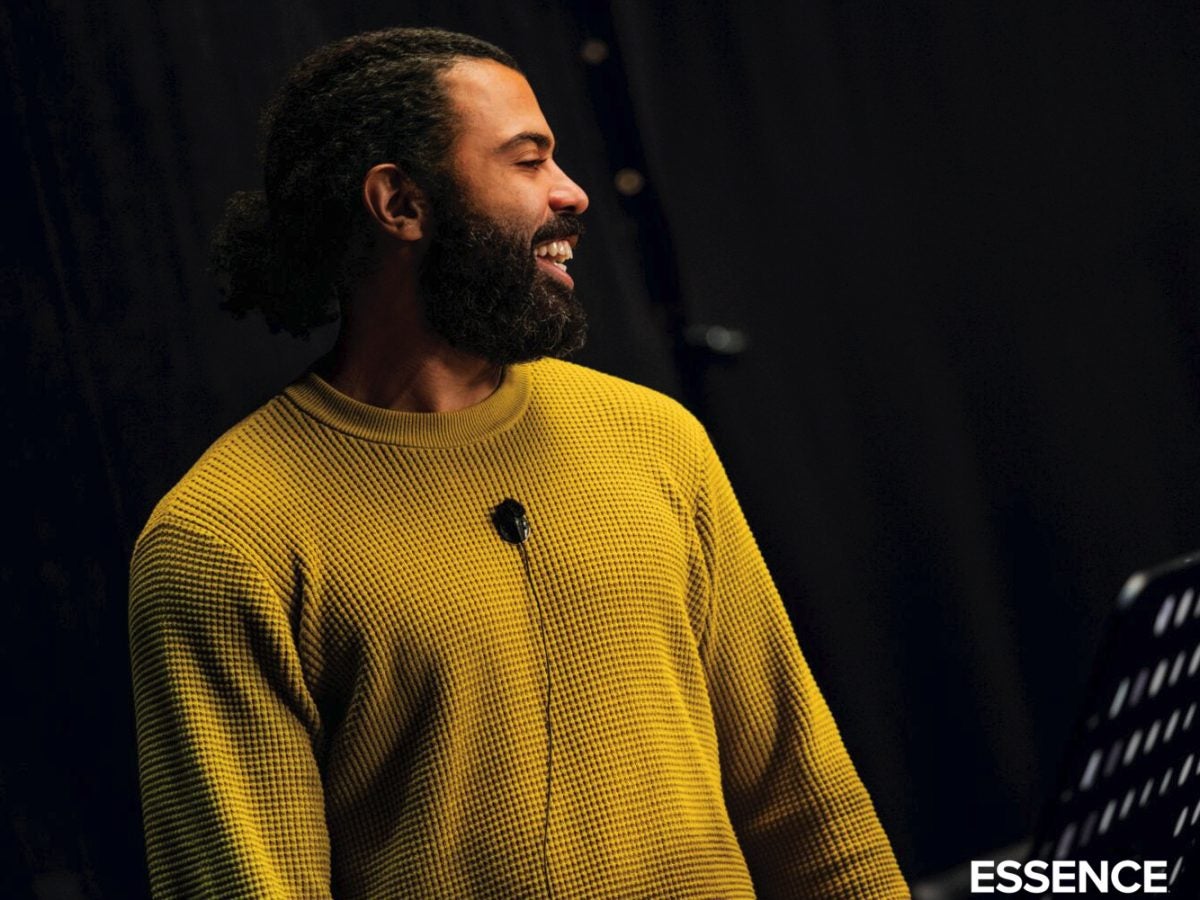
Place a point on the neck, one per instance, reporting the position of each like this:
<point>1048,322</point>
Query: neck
<point>387,356</point>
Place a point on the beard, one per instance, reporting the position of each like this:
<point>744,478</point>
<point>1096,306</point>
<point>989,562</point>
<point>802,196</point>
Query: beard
<point>484,293</point>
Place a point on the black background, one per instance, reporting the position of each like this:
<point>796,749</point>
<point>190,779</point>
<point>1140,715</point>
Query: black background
<point>964,242</point>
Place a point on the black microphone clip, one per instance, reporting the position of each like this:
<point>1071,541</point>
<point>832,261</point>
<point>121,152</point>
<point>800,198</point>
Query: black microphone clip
<point>509,519</point>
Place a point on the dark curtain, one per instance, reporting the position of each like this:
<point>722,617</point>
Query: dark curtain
<point>964,245</point>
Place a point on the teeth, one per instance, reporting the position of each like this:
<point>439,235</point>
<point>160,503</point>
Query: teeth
<point>557,251</point>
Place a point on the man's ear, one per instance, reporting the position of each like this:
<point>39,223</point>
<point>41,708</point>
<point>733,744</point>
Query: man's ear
<point>399,208</point>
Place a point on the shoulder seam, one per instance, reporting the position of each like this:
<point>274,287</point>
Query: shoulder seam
<point>174,519</point>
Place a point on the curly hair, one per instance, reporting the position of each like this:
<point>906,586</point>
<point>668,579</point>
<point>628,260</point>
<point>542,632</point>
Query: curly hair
<point>293,250</point>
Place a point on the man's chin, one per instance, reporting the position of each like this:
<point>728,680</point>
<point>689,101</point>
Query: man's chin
<point>559,350</point>
<point>558,341</point>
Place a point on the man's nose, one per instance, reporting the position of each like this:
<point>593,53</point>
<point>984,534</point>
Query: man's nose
<point>567,196</point>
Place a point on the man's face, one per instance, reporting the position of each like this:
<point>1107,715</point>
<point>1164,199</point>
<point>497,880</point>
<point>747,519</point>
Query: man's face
<point>494,280</point>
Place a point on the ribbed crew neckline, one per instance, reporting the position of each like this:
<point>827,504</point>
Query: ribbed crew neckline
<point>497,413</point>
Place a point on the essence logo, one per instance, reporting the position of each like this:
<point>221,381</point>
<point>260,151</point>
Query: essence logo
<point>1066,876</point>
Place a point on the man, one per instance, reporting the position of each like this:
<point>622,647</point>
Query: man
<point>449,617</point>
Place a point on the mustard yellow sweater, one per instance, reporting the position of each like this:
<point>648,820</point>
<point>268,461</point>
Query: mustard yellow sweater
<point>341,670</point>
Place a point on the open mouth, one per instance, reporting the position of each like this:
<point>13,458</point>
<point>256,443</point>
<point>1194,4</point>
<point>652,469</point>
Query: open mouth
<point>554,254</point>
<point>557,252</point>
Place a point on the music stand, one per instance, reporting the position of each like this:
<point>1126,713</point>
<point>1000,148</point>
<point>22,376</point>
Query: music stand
<point>1129,787</point>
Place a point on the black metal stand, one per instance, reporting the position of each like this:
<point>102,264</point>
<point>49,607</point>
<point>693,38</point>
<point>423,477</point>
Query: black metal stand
<point>1129,788</point>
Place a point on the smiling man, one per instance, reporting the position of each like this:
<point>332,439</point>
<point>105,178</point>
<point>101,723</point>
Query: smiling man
<point>450,617</point>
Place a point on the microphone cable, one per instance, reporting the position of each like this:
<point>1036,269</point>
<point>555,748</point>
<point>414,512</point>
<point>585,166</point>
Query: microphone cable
<point>512,525</point>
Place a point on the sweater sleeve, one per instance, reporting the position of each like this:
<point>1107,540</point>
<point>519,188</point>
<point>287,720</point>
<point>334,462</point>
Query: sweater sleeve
<point>231,792</point>
<point>802,815</point>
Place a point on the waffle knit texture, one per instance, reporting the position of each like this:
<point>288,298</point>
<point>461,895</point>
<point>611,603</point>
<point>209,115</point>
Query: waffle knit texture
<point>341,687</point>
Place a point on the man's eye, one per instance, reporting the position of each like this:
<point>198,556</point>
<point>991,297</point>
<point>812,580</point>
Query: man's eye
<point>532,163</point>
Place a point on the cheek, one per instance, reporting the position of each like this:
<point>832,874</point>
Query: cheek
<point>509,198</point>
<point>522,202</point>
<point>524,217</point>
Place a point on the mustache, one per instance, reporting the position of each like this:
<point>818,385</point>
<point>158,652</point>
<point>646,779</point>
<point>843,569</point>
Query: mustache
<point>563,225</point>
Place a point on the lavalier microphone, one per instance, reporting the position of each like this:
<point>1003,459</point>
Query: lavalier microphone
<point>509,519</point>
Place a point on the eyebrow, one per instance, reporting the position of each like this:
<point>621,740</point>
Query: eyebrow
<point>543,141</point>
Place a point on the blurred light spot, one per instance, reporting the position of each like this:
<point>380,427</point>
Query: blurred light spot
<point>629,182</point>
<point>593,51</point>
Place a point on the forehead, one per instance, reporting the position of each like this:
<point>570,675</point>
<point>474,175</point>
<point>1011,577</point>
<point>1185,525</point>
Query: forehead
<point>493,103</point>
